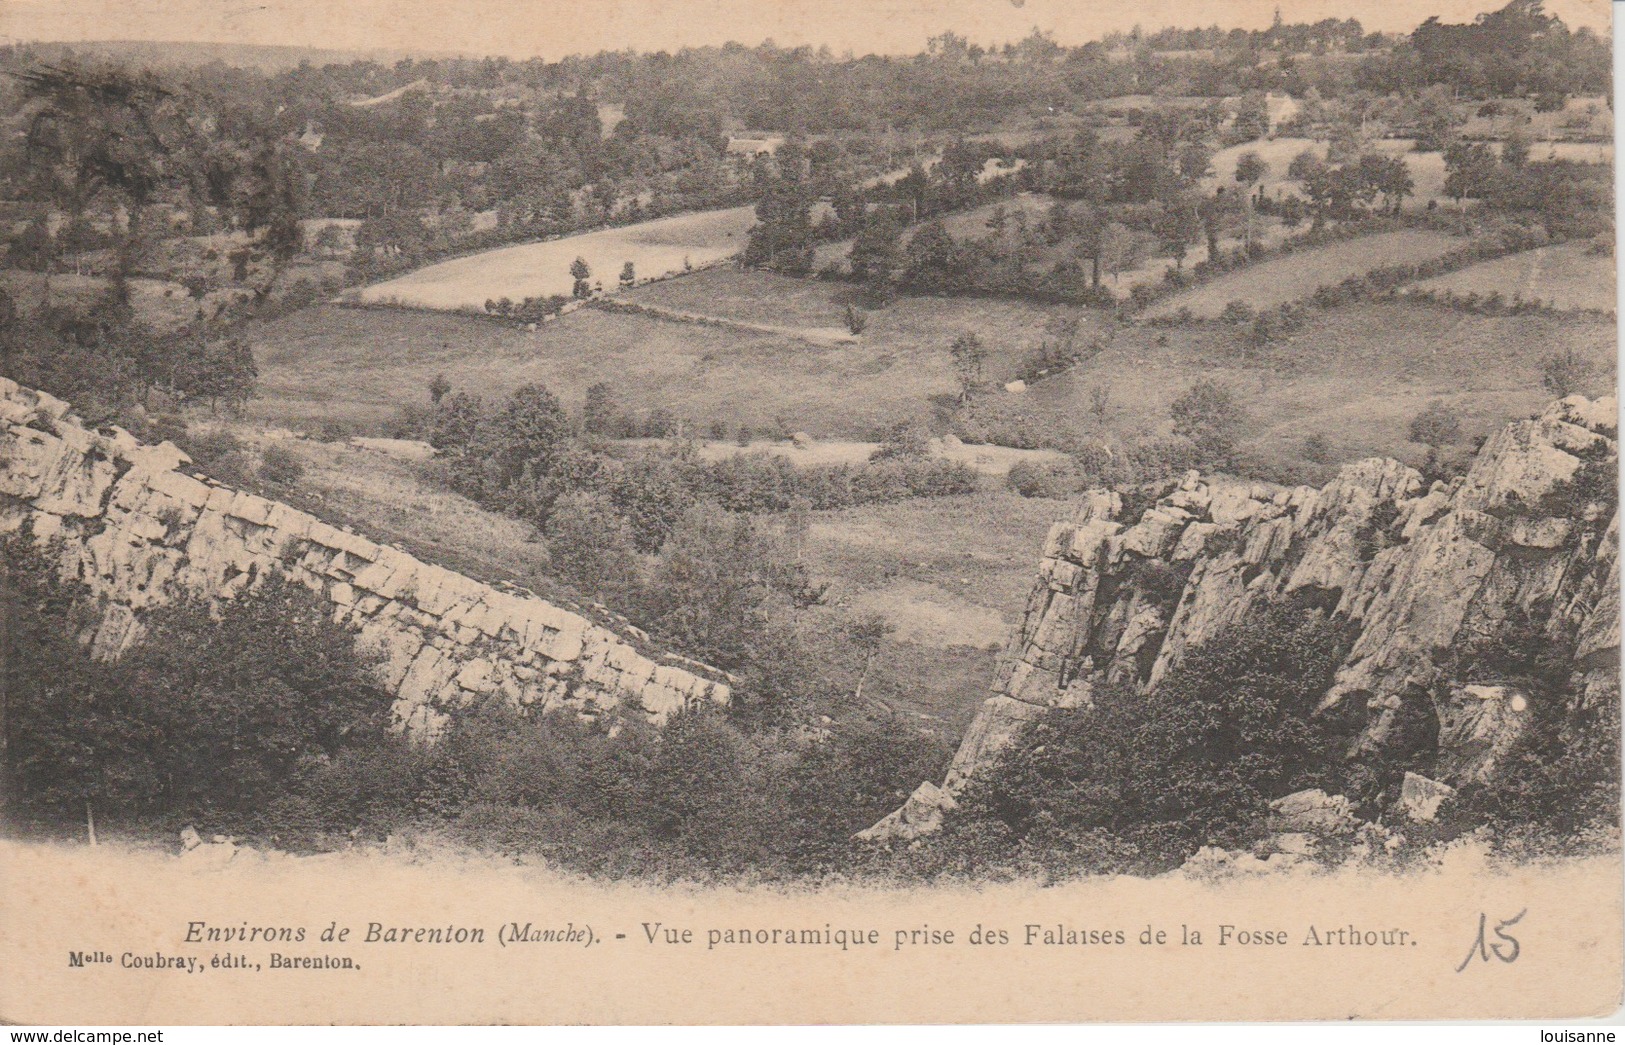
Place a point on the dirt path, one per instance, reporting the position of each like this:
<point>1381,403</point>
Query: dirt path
<point>817,335</point>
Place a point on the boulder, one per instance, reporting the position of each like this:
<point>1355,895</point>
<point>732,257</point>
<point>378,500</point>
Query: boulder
<point>920,815</point>
<point>1420,797</point>
<point>1313,811</point>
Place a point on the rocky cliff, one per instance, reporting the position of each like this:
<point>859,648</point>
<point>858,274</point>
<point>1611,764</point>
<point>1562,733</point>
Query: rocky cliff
<point>141,529</point>
<point>1418,571</point>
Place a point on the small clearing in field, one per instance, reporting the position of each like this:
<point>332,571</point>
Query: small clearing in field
<point>1297,275</point>
<point>655,248</point>
<point>1567,276</point>
<point>951,575</point>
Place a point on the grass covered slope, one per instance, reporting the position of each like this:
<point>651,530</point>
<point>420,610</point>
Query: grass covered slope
<point>359,366</point>
<point>1566,277</point>
<point>1278,281</point>
<point>1355,375</point>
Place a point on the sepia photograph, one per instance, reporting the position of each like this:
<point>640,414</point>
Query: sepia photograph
<point>898,511</point>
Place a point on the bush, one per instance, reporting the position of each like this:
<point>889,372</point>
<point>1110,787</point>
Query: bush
<point>1565,372</point>
<point>1151,778</point>
<point>279,466</point>
<point>590,547</point>
<point>856,320</point>
<point>1050,479</point>
<point>332,431</point>
<point>702,797</point>
<point>1436,426</point>
<point>162,428</point>
<point>1209,416</point>
<point>207,718</point>
<point>903,441</point>
<point>219,455</point>
<point>1317,449</point>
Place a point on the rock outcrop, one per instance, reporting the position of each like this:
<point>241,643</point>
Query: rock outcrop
<point>1418,571</point>
<point>141,530</point>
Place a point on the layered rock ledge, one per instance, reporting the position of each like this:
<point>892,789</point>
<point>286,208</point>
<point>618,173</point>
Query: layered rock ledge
<point>141,529</point>
<point>1417,570</point>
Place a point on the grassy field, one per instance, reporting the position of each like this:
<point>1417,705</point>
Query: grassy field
<point>656,248</point>
<point>359,366</point>
<point>951,575</point>
<point>1297,275</point>
<point>1567,276</point>
<point>1355,375</point>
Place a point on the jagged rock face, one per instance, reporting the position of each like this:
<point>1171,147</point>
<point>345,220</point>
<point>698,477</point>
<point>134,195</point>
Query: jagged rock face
<point>141,532</point>
<point>1417,572</point>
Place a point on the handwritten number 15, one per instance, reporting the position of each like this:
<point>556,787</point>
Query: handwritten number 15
<point>1505,946</point>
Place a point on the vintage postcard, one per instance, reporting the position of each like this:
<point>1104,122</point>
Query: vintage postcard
<point>933,511</point>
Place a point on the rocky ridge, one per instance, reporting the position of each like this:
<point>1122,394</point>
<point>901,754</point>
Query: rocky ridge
<point>1417,570</point>
<point>142,530</point>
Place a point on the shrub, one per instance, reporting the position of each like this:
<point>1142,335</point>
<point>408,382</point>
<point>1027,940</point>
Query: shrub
<point>219,455</point>
<point>590,546</point>
<point>1436,426</point>
<point>856,320</point>
<point>1561,775</point>
<point>164,427</point>
<point>903,441</point>
<point>206,717</point>
<point>1209,416</point>
<point>279,466</point>
<point>332,431</point>
<point>1317,448</point>
<point>1195,763</point>
<point>1050,479</point>
<point>1565,372</point>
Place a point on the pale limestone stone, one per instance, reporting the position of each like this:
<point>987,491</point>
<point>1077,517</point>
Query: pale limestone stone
<point>1420,797</point>
<point>1314,811</point>
<point>165,533</point>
